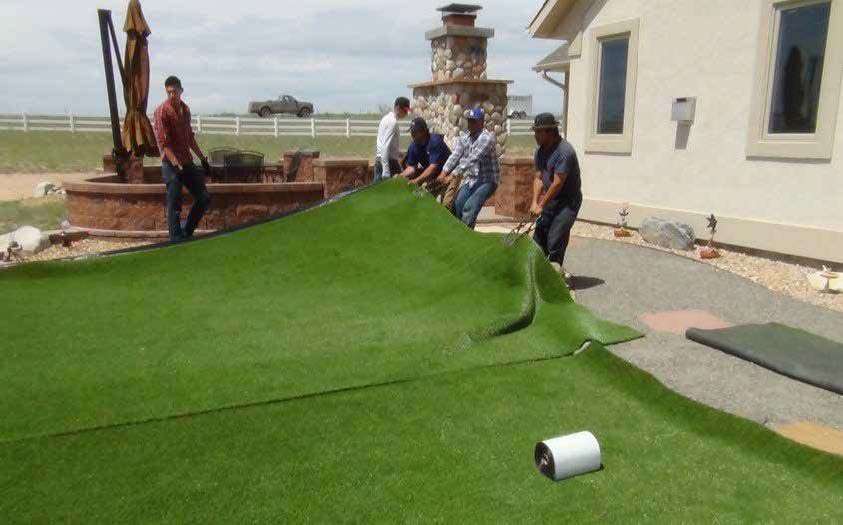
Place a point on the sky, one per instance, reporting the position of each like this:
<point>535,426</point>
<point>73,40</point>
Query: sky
<point>343,56</point>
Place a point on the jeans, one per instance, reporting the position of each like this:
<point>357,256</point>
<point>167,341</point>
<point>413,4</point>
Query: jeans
<point>193,178</point>
<point>470,200</point>
<point>448,192</point>
<point>553,229</point>
<point>394,167</point>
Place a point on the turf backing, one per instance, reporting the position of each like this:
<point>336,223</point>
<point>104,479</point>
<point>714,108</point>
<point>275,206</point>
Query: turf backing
<point>378,287</point>
<point>789,351</point>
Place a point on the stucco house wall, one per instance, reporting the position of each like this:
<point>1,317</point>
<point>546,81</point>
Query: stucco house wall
<point>707,50</point>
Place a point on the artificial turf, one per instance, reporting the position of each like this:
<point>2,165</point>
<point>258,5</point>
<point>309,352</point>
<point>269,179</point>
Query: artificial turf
<point>369,360</point>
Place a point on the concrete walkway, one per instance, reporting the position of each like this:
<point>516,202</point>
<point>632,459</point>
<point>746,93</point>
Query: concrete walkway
<point>624,283</point>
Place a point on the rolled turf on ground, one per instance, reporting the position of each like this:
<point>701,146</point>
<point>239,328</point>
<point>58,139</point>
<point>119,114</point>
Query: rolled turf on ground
<point>399,301</point>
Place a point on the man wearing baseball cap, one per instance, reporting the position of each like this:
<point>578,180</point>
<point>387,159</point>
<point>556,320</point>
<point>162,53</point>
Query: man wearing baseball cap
<point>425,157</point>
<point>557,193</point>
<point>475,160</point>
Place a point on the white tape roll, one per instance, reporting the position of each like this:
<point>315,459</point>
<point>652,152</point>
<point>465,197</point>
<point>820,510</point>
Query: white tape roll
<point>568,456</point>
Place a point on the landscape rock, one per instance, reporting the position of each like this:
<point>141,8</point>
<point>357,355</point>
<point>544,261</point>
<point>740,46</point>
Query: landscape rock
<point>30,239</point>
<point>43,189</point>
<point>667,234</point>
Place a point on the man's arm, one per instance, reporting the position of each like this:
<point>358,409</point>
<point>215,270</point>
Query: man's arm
<point>409,172</point>
<point>425,175</point>
<point>193,145</point>
<point>163,135</point>
<point>387,141</point>
<point>553,190</point>
<point>538,186</point>
<point>482,146</point>
<point>452,161</point>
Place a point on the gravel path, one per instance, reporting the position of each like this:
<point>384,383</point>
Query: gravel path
<point>781,274</point>
<point>85,247</point>
<point>628,281</point>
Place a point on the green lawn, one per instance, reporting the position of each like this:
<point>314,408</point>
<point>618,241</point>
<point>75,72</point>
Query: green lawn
<point>45,214</point>
<point>46,151</point>
<point>369,360</point>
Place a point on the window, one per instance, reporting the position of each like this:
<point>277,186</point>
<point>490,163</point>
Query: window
<point>612,94</point>
<point>794,107</point>
<point>615,52</point>
<point>799,69</point>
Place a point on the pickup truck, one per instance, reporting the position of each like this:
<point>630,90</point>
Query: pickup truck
<point>284,104</point>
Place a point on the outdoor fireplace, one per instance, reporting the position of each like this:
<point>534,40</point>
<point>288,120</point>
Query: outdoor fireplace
<point>458,77</point>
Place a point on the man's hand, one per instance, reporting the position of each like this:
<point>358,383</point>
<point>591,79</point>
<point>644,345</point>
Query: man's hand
<point>536,209</point>
<point>444,178</point>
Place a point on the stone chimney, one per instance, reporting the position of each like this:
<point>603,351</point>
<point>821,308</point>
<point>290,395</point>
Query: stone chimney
<point>458,47</point>
<point>458,71</point>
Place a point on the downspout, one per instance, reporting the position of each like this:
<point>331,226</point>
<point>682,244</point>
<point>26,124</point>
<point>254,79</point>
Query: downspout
<point>563,86</point>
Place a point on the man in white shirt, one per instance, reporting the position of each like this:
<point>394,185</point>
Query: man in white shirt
<point>387,148</point>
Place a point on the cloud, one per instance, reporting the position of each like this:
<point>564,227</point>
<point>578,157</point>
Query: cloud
<point>342,57</point>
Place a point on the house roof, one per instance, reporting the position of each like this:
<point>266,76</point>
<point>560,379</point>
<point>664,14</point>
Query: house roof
<point>559,57</point>
<point>548,18</point>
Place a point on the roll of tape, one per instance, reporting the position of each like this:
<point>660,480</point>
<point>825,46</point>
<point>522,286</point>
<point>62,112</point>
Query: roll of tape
<point>568,456</point>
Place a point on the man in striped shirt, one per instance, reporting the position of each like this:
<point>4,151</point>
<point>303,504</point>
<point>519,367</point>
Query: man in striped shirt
<point>475,160</point>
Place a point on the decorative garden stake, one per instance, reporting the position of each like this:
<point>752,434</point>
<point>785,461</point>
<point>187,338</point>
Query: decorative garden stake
<point>825,281</point>
<point>709,252</point>
<point>621,230</point>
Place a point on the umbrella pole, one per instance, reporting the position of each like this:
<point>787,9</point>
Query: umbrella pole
<point>105,18</point>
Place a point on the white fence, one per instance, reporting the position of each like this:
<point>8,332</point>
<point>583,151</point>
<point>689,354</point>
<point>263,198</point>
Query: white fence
<point>273,127</point>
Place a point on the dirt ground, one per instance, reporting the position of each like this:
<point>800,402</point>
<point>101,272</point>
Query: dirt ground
<point>16,186</point>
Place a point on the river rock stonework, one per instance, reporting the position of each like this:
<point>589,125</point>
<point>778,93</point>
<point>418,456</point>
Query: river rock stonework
<point>458,80</point>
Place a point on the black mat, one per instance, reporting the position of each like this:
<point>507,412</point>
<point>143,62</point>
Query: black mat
<point>795,353</point>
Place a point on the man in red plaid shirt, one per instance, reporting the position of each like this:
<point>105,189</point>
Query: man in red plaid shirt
<point>175,142</point>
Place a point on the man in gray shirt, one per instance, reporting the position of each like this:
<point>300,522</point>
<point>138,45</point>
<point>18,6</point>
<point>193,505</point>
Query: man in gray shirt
<point>557,191</point>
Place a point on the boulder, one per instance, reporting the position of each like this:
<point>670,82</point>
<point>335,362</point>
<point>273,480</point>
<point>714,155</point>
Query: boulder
<point>30,239</point>
<point>667,234</point>
<point>43,189</point>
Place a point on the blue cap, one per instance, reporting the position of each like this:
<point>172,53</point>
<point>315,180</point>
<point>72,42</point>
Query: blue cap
<point>476,114</point>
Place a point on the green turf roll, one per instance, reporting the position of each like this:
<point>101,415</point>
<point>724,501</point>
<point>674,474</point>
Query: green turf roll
<point>377,287</point>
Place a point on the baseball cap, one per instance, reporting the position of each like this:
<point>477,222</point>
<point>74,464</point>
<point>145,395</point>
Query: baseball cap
<point>476,114</point>
<point>418,124</point>
<point>545,121</point>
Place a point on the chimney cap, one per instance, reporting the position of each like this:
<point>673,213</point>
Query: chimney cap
<point>463,9</point>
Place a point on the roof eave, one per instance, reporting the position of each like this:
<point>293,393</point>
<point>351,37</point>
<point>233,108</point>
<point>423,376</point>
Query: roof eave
<point>549,17</point>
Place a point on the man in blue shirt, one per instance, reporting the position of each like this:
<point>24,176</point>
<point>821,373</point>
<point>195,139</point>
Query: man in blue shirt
<point>425,156</point>
<point>557,192</point>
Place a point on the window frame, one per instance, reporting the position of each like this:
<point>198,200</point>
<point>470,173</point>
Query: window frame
<point>613,142</point>
<point>820,144</point>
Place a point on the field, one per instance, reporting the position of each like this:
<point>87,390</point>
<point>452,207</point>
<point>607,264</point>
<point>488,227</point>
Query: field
<point>321,367</point>
<point>45,151</point>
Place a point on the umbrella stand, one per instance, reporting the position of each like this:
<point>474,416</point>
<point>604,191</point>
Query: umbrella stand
<point>119,152</point>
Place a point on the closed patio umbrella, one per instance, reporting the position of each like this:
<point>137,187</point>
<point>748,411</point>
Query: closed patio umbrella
<point>138,137</point>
